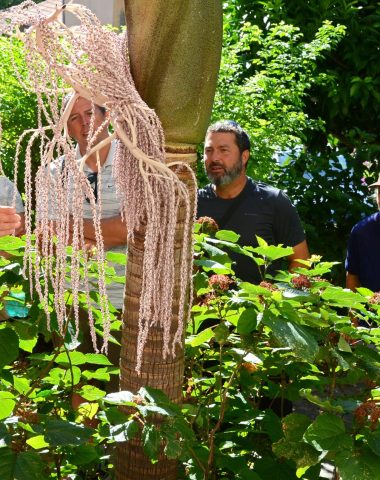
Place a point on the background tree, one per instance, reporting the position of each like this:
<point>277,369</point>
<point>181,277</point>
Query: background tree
<point>307,92</point>
<point>18,107</point>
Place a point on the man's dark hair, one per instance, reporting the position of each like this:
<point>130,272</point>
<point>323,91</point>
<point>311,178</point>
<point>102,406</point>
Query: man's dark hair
<point>230,126</point>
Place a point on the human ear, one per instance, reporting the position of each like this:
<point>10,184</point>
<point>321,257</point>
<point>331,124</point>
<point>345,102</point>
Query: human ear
<point>245,157</point>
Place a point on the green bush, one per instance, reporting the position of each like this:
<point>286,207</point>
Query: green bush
<point>250,350</point>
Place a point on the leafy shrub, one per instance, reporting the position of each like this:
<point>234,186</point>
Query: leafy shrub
<point>250,351</point>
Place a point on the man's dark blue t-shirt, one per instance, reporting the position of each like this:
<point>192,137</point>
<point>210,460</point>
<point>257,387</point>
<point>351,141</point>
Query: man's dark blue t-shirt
<point>260,210</point>
<point>363,252</point>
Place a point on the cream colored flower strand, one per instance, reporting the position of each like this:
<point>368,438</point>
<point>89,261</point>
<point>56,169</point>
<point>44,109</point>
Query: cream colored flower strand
<point>94,62</point>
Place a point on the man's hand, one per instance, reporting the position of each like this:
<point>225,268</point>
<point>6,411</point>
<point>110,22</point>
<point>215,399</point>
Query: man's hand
<point>114,232</point>
<point>10,222</point>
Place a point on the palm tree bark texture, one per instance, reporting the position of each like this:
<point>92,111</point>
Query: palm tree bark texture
<point>174,48</point>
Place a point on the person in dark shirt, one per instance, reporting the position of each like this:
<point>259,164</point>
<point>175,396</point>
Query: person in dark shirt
<point>239,203</point>
<point>363,251</point>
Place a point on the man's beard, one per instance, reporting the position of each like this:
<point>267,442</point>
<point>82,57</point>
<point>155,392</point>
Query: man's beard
<point>230,174</point>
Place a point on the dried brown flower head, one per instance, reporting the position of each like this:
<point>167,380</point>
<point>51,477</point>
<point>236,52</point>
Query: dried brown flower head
<point>220,282</point>
<point>368,412</point>
<point>301,282</point>
<point>208,225</point>
<point>375,299</point>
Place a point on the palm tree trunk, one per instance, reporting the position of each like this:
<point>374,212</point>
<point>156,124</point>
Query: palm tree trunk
<point>175,58</point>
<point>158,372</point>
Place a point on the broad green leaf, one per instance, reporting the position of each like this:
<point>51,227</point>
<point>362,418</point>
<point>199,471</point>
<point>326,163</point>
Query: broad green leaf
<point>215,253</point>
<point>343,297</point>
<point>76,358</point>
<point>227,236</point>
<point>200,281</point>
<point>173,448</point>
<point>62,433</point>
<point>97,359</point>
<point>102,374</point>
<point>58,376</point>
<point>261,242</point>
<point>302,454</point>
<point>9,243</point>
<point>247,321</point>
<point>7,463</point>
<point>121,398</point>
<point>124,432</point>
<point>254,289</point>
<point>299,295</point>
<point>328,432</point>
<point>214,266</point>
<point>151,442</point>
<point>343,345</point>
<point>91,393</point>
<point>21,466</point>
<point>364,465</point>
<point>37,442</point>
<point>7,404</point>
<point>119,258</point>
<point>221,333</point>
<point>373,439</point>
<point>202,337</point>
<point>28,345</point>
<point>83,455</point>
<point>115,416</point>
<point>273,253</point>
<point>9,346</point>
<point>21,384</point>
<point>29,466</point>
<point>153,395</point>
<point>296,337</point>
<point>88,410</point>
<point>295,425</point>
<point>146,410</point>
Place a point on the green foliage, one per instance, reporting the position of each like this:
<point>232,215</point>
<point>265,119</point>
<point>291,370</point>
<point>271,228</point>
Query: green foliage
<point>302,78</point>
<point>11,3</point>
<point>250,349</point>
<point>18,107</point>
<point>41,373</point>
<point>264,81</point>
<point>347,102</point>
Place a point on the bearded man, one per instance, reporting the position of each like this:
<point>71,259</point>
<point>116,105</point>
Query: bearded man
<point>239,203</point>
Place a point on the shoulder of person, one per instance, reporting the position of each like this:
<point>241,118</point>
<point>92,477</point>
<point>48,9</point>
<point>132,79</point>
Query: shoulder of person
<point>264,189</point>
<point>5,181</point>
<point>366,222</point>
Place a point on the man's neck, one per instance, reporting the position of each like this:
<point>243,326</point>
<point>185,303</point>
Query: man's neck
<point>92,161</point>
<point>231,190</point>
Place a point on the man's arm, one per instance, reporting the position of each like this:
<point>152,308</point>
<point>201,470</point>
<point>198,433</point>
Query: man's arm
<point>11,222</point>
<point>114,232</point>
<point>21,229</point>
<point>352,281</point>
<point>300,252</point>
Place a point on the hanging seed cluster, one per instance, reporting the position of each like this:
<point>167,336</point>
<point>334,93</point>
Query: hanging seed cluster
<point>94,63</point>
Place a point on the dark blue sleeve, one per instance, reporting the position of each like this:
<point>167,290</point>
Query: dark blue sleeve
<point>352,257</point>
